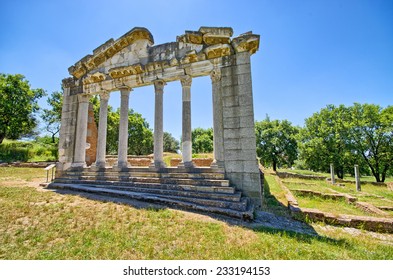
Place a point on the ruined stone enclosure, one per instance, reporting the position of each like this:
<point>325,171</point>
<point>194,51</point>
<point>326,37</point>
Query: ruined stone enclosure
<point>231,185</point>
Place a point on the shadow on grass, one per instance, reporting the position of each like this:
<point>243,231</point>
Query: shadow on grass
<point>278,220</point>
<point>267,222</point>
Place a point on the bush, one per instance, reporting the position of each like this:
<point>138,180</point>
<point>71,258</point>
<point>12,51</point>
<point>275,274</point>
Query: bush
<point>24,151</point>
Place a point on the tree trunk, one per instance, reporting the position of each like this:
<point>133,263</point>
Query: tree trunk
<point>2,136</point>
<point>340,173</point>
<point>274,165</point>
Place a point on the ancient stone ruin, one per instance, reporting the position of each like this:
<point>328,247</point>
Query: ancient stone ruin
<point>231,185</point>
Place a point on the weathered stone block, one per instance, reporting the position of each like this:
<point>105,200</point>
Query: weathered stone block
<point>233,166</point>
<point>251,166</point>
<point>230,101</point>
<point>230,133</point>
<point>244,79</point>
<point>231,112</point>
<point>232,122</point>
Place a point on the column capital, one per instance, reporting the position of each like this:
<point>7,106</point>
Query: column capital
<point>68,82</point>
<point>125,90</point>
<point>83,98</point>
<point>104,95</point>
<point>215,75</point>
<point>159,86</point>
<point>186,81</point>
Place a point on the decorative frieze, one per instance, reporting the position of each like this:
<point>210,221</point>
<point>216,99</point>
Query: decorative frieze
<point>219,50</point>
<point>94,78</point>
<point>123,71</point>
<point>246,42</point>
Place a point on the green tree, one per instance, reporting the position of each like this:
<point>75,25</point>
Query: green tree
<point>140,136</point>
<point>371,131</point>
<point>202,140</point>
<point>276,142</point>
<point>18,103</point>
<point>52,116</point>
<point>325,140</point>
<point>171,145</point>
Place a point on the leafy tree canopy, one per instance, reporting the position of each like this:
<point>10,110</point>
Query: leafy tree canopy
<point>171,145</point>
<point>371,131</point>
<point>202,140</point>
<point>360,134</point>
<point>276,142</point>
<point>18,103</point>
<point>52,116</point>
<point>140,136</point>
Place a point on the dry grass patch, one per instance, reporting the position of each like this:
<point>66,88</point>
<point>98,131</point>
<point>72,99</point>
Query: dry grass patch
<point>38,224</point>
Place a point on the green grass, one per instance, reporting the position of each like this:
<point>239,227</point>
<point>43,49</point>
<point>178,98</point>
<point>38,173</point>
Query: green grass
<point>27,151</point>
<point>37,224</point>
<point>335,207</point>
<point>327,175</point>
<point>304,172</point>
<point>313,185</point>
<point>274,198</point>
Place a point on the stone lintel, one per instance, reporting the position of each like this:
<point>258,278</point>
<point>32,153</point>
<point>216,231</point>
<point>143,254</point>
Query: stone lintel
<point>246,43</point>
<point>211,39</point>
<point>191,37</point>
<point>222,31</point>
<point>124,71</point>
<point>94,78</point>
<point>109,49</point>
<point>218,50</point>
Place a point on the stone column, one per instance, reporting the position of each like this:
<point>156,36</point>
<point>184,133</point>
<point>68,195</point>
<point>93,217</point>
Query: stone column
<point>333,180</point>
<point>81,131</point>
<point>218,136</point>
<point>123,129</point>
<point>102,130</point>
<point>357,178</point>
<point>186,122</point>
<point>158,124</point>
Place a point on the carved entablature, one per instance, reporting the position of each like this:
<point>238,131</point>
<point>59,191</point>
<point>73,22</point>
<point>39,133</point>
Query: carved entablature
<point>134,61</point>
<point>123,71</point>
<point>246,42</point>
<point>94,78</point>
<point>68,82</point>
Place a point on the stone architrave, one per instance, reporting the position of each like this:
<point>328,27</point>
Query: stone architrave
<point>102,130</point>
<point>122,161</point>
<point>81,131</point>
<point>158,124</point>
<point>186,82</point>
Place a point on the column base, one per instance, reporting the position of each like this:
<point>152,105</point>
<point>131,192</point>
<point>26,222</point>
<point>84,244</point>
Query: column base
<point>217,164</point>
<point>187,164</point>
<point>78,165</point>
<point>98,166</point>
<point>121,166</point>
<point>157,164</point>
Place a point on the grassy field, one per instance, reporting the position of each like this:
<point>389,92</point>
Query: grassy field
<point>40,224</point>
<point>327,175</point>
<point>378,195</point>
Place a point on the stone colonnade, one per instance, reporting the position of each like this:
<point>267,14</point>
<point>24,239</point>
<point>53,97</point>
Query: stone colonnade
<point>133,61</point>
<point>186,81</point>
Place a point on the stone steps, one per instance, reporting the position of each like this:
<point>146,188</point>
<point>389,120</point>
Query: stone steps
<point>179,175</point>
<point>241,209</point>
<point>173,181</point>
<point>196,188</point>
<point>202,189</point>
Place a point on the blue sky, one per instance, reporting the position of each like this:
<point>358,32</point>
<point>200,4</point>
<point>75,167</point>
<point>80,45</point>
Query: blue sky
<point>312,53</point>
